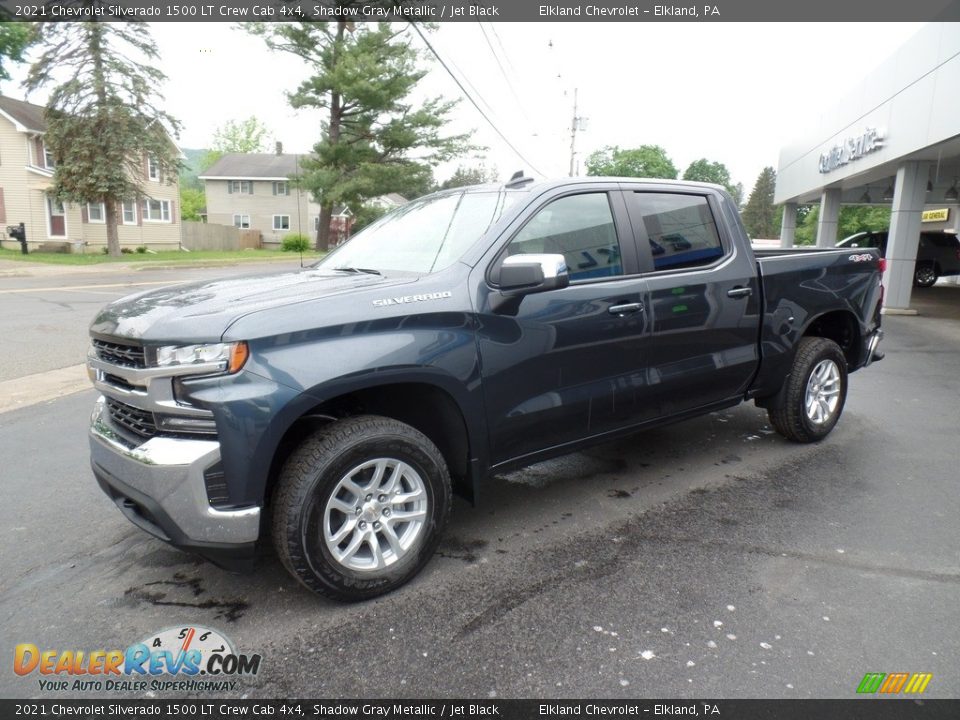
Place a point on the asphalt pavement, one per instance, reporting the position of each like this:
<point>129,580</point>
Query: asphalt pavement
<point>706,559</point>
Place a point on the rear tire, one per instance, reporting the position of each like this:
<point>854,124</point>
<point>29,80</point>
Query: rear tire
<point>925,275</point>
<point>814,394</point>
<point>359,507</point>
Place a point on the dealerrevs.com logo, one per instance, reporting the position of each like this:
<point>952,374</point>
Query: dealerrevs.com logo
<point>178,659</point>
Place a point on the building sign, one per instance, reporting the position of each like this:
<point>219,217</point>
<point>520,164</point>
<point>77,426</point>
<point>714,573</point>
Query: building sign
<point>853,148</point>
<point>939,215</point>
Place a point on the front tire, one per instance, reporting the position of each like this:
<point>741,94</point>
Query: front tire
<point>359,507</point>
<point>925,275</point>
<point>815,392</point>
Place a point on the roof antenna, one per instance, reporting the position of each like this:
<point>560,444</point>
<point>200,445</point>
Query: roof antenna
<point>517,180</point>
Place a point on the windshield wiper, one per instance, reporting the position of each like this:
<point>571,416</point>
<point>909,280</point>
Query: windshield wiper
<point>369,271</point>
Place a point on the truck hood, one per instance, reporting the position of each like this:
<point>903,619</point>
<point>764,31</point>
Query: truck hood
<point>202,311</point>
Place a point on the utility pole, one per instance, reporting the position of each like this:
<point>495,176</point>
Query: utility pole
<point>577,123</point>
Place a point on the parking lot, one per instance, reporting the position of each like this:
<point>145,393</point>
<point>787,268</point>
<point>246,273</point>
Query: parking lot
<point>705,559</point>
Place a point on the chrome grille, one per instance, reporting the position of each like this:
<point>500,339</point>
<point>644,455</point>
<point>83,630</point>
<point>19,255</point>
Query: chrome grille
<point>140,422</point>
<point>120,354</point>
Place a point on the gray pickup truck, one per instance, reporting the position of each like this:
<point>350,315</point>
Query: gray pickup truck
<point>335,408</point>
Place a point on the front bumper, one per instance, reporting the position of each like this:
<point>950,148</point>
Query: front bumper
<point>159,486</point>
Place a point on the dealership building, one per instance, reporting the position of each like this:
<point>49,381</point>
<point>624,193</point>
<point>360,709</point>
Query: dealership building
<point>894,139</point>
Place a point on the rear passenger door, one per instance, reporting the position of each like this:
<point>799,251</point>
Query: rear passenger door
<point>703,299</point>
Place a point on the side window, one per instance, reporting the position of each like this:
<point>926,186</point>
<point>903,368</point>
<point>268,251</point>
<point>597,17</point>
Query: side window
<point>579,227</point>
<point>681,229</point>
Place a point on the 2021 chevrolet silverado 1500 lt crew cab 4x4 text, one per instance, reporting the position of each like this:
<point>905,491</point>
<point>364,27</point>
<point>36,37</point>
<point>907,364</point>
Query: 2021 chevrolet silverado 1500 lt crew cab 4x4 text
<point>472,331</point>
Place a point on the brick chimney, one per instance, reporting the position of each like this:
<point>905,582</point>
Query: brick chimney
<point>279,148</point>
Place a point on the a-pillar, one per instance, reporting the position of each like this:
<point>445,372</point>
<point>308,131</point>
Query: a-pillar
<point>788,226</point>
<point>909,195</point>
<point>829,217</point>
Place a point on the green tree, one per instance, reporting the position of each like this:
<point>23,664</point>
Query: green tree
<point>649,161</point>
<point>104,120</point>
<point>857,218</point>
<point>192,202</point>
<point>15,37</point>
<point>365,215</point>
<point>853,219</point>
<point>464,176</point>
<point>760,216</point>
<point>704,170</point>
<point>736,192</point>
<point>236,136</point>
<point>374,139</point>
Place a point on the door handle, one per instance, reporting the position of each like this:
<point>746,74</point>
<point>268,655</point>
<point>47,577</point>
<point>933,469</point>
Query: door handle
<point>625,309</point>
<point>740,292</point>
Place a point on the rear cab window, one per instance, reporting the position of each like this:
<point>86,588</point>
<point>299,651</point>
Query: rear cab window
<point>679,230</point>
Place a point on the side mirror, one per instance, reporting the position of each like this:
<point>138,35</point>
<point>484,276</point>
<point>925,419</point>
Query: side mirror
<point>527,274</point>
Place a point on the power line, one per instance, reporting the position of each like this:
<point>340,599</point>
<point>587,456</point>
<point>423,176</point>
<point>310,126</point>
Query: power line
<point>503,72</point>
<point>496,35</point>
<point>474,102</point>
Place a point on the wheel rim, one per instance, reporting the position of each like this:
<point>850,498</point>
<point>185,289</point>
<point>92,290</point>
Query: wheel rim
<point>823,392</point>
<point>925,276</point>
<point>375,516</point>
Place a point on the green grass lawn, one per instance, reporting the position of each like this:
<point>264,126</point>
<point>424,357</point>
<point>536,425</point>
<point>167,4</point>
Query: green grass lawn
<point>170,256</point>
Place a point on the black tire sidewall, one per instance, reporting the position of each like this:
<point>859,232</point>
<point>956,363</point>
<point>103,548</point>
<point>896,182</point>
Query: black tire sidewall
<point>394,448</point>
<point>311,562</point>
<point>828,351</point>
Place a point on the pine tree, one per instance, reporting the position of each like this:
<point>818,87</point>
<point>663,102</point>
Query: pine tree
<point>104,122</point>
<point>760,216</point>
<point>374,140</point>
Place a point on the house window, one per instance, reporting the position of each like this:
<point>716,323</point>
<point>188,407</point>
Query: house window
<point>241,221</point>
<point>281,187</point>
<point>48,157</point>
<point>96,213</point>
<point>281,222</point>
<point>240,186</point>
<point>129,213</point>
<point>155,210</point>
<point>153,169</point>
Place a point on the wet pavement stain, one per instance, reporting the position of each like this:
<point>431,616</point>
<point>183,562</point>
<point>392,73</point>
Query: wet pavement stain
<point>457,549</point>
<point>229,610</point>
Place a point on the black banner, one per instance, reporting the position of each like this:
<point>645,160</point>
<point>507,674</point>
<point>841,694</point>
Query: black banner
<point>479,10</point>
<point>854,709</point>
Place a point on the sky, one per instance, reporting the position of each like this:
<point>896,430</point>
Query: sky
<point>729,92</point>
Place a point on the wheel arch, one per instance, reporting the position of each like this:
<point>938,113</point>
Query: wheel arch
<point>843,328</point>
<point>422,403</point>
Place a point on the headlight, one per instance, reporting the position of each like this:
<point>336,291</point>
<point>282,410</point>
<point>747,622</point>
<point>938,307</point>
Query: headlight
<point>229,356</point>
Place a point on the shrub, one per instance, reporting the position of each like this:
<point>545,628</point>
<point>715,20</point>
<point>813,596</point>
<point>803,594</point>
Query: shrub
<point>141,249</point>
<point>295,242</point>
<point>126,251</point>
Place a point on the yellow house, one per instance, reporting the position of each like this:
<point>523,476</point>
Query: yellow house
<point>26,172</point>
<point>253,191</point>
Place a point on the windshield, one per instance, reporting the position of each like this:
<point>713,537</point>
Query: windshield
<point>423,236</point>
